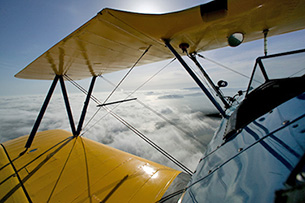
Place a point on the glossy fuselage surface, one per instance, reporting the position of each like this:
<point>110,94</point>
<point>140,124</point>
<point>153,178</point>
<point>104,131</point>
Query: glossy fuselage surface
<point>256,162</point>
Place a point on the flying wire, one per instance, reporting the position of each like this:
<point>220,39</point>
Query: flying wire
<point>134,65</point>
<point>223,66</point>
<point>132,128</point>
<point>152,110</point>
<point>150,142</point>
<point>83,90</point>
<point>128,94</point>
<point>203,79</point>
<point>115,88</point>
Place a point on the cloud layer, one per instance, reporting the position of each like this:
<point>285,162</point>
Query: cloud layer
<point>173,119</point>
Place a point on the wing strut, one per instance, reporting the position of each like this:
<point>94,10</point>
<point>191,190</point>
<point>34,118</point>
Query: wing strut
<point>68,109</point>
<point>192,74</point>
<point>41,113</point>
<point>216,89</point>
<point>82,118</point>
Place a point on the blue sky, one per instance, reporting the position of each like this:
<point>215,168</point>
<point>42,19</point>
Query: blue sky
<point>30,27</point>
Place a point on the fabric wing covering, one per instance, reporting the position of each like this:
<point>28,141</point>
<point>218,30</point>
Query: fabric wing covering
<point>60,168</point>
<point>113,40</point>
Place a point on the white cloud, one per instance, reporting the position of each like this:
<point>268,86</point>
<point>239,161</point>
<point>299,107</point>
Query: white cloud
<point>185,140</point>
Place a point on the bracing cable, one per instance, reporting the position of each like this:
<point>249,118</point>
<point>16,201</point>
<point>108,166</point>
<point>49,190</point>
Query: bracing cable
<point>134,65</point>
<point>152,110</point>
<point>137,132</point>
<point>150,142</point>
<point>204,80</point>
<point>115,88</point>
<point>151,77</point>
<point>171,123</point>
<point>83,90</point>
<point>128,94</point>
<point>223,66</point>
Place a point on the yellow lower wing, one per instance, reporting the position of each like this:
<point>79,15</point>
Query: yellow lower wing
<point>60,168</point>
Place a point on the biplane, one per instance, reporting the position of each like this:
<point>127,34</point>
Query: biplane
<point>256,155</point>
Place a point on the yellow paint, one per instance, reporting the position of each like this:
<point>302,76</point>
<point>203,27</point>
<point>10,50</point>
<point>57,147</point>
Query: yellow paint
<point>114,40</point>
<point>7,171</point>
<point>59,168</point>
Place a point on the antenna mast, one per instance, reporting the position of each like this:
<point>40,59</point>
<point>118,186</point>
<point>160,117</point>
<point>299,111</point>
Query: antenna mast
<point>265,40</point>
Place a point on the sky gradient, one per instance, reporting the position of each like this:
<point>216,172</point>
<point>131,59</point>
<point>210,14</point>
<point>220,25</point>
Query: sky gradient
<point>30,27</point>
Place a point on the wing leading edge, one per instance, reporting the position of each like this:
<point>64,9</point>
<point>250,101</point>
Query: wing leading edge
<point>113,40</point>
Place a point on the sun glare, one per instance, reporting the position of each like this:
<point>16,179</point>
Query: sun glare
<point>150,171</point>
<point>148,7</point>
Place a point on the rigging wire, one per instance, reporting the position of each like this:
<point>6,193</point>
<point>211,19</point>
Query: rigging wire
<point>149,141</point>
<point>172,123</point>
<point>128,94</point>
<point>203,79</point>
<point>223,66</point>
<point>137,132</point>
<point>151,77</point>
<point>155,112</point>
<point>134,65</point>
<point>152,110</point>
<point>83,90</point>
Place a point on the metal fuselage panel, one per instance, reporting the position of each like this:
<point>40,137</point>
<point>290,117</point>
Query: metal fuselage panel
<point>256,163</point>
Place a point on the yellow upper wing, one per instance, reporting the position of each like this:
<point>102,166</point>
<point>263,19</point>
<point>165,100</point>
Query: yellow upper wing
<point>114,40</point>
<point>60,168</point>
